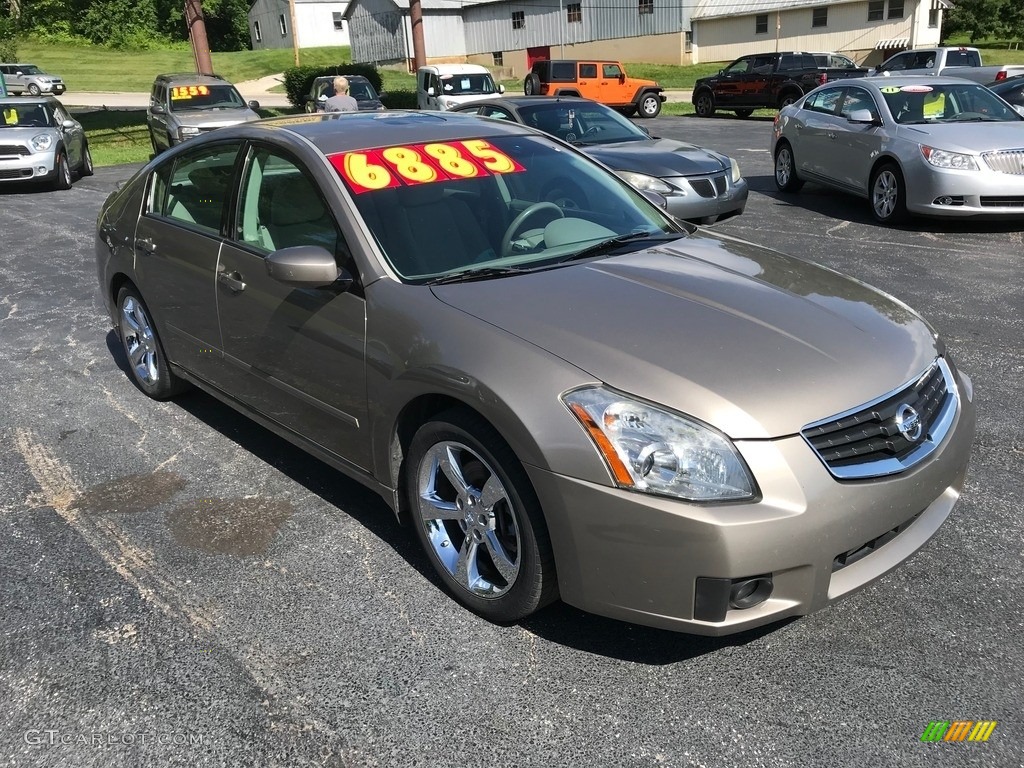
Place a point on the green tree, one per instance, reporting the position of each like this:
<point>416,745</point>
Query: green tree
<point>1013,20</point>
<point>977,19</point>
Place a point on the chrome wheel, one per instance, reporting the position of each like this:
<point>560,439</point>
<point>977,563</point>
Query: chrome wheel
<point>785,170</point>
<point>469,519</point>
<point>139,342</point>
<point>885,194</point>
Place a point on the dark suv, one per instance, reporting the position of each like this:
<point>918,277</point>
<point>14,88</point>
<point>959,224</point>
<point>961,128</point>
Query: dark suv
<point>182,106</point>
<point>603,81</point>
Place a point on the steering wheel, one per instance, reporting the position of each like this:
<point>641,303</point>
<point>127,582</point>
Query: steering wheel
<point>517,223</point>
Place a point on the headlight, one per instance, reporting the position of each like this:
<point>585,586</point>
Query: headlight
<point>940,158</point>
<point>187,131</point>
<point>449,104</point>
<point>42,142</point>
<point>654,450</point>
<point>643,182</point>
<point>736,175</point>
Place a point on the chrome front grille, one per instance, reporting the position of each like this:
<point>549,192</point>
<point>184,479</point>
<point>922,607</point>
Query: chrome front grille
<point>1006,161</point>
<point>882,437</point>
<point>709,187</point>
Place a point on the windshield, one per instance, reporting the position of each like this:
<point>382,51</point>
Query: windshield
<point>966,102</point>
<point>191,97</point>
<point>24,116</point>
<point>581,123</point>
<point>457,85</point>
<point>494,205</point>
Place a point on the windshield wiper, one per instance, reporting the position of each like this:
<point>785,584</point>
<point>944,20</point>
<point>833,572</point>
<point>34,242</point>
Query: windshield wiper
<point>611,244</point>
<point>480,273</point>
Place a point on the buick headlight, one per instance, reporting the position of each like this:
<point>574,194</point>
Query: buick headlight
<point>736,175</point>
<point>643,182</point>
<point>188,132</point>
<point>42,142</point>
<point>654,450</point>
<point>940,158</point>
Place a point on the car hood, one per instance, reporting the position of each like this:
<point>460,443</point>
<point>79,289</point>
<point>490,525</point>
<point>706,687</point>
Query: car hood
<point>658,157</point>
<point>970,138</point>
<point>23,135</point>
<point>216,118</point>
<point>749,340</point>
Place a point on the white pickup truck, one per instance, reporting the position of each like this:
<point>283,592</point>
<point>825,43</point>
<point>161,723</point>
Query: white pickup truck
<point>951,62</point>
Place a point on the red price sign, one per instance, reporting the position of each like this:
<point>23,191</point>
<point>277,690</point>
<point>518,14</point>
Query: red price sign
<point>412,164</point>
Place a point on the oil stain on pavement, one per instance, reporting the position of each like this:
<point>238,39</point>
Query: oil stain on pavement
<point>130,494</point>
<point>240,527</point>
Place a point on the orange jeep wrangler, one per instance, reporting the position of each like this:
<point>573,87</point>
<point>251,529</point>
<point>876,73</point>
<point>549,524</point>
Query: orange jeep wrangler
<point>603,81</point>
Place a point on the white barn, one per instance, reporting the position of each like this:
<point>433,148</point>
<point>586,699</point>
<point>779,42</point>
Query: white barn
<point>317,24</point>
<point>511,34</point>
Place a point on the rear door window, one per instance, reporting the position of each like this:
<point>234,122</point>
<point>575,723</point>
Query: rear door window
<point>195,188</point>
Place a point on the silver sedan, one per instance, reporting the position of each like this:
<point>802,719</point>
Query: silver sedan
<point>911,145</point>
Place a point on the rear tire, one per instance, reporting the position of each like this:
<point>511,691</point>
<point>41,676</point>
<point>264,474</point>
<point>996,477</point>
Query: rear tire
<point>531,85</point>
<point>147,362</point>
<point>786,178</point>
<point>704,104</point>
<point>788,98</point>
<point>744,113</point>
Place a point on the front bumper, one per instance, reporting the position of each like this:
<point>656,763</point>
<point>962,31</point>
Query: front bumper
<point>697,199</point>
<point>984,193</point>
<point>636,557</point>
<point>38,166</point>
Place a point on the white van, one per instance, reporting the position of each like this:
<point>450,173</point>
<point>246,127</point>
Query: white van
<point>443,86</point>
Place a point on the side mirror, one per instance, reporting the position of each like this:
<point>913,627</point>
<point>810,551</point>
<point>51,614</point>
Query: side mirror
<point>431,91</point>
<point>67,125</point>
<point>156,109</point>
<point>306,266</point>
<point>863,116</point>
<point>622,77</point>
<point>1019,109</point>
<point>254,105</point>
<point>501,88</point>
<point>654,197</point>
<point>878,67</point>
<point>645,129</point>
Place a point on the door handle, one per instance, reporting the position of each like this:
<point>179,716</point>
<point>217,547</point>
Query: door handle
<point>232,280</point>
<point>145,244</point>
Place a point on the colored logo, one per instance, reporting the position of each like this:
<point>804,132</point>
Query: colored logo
<point>959,730</point>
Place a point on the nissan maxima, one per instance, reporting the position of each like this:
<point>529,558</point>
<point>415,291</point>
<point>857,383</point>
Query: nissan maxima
<point>599,404</point>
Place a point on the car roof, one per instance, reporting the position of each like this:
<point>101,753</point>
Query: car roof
<point>350,78</point>
<point>878,82</point>
<point>522,101</point>
<point>24,100</point>
<point>456,69</point>
<point>193,77</point>
<point>334,132</point>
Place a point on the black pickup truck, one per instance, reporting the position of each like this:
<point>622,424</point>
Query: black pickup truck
<point>765,80</point>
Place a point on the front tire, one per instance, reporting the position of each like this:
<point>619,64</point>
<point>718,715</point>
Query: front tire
<point>705,104</point>
<point>888,194</point>
<point>786,178</point>
<point>87,169</point>
<point>478,519</point>
<point>33,89</point>
<point>63,178</point>
<point>147,362</point>
<point>649,106</point>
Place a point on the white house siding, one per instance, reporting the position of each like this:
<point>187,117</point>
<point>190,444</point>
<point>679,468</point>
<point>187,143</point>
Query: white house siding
<point>315,23</point>
<point>489,26</point>
<point>377,32</point>
<point>848,31</point>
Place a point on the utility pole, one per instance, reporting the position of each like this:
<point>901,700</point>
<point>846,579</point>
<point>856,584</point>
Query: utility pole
<point>778,29</point>
<point>196,23</point>
<point>419,53</point>
<point>295,32</point>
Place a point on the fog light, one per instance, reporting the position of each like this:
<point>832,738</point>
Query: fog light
<point>944,201</point>
<point>746,593</point>
<point>41,170</point>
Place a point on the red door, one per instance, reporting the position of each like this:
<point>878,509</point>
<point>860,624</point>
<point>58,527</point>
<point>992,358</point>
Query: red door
<point>535,54</point>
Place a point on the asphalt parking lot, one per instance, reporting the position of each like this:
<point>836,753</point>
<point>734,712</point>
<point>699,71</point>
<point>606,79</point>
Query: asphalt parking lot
<point>180,587</point>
